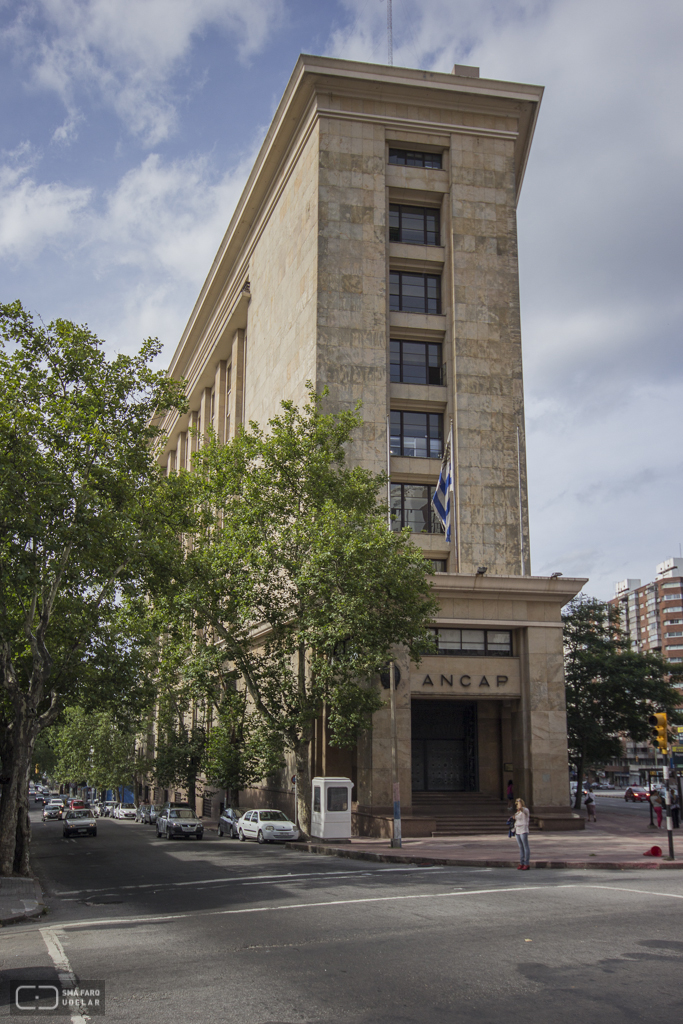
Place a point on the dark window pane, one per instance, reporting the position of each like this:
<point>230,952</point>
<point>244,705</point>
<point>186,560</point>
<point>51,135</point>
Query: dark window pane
<point>416,499</point>
<point>413,293</point>
<point>395,291</point>
<point>473,640</point>
<point>395,436</point>
<point>432,160</point>
<point>337,798</point>
<point>413,225</point>
<point>414,369</point>
<point>395,361</point>
<point>411,158</point>
<point>396,507</point>
<point>394,224</point>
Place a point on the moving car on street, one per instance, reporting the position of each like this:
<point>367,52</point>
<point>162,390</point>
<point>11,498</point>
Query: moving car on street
<point>636,794</point>
<point>81,822</point>
<point>267,826</point>
<point>125,811</point>
<point>175,822</point>
<point>228,823</point>
<point>53,810</point>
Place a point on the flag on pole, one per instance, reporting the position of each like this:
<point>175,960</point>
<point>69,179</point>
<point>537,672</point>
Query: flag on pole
<point>441,500</point>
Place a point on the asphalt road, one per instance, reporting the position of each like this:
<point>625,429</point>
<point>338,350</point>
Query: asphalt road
<point>188,931</point>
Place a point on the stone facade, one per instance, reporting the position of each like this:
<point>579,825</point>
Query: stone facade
<point>300,290</point>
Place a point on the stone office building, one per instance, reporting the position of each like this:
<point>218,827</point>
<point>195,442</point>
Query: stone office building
<point>374,251</point>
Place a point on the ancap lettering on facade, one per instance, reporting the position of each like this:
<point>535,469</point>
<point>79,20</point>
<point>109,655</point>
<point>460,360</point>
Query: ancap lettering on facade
<point>464,681</point>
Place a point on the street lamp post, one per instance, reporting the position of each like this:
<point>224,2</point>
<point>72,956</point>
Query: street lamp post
<point>396,792</point>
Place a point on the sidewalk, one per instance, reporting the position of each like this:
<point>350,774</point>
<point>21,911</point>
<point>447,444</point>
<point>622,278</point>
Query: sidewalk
<point>616,842</point>
<point>20,898</point>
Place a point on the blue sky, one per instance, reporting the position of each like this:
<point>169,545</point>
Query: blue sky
<point>128,128</point>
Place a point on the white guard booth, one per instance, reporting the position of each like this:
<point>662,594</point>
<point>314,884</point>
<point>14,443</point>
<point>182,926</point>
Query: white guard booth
<point>331,808</point>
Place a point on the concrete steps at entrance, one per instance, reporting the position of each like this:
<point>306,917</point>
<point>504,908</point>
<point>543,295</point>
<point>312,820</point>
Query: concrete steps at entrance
<point>462,814</point>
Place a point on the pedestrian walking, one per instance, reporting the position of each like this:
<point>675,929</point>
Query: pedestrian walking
<point>511,797</point>
<point>522,833</point>
<point>675,810</point>
<point>589,803</point>
<point>657,803</point>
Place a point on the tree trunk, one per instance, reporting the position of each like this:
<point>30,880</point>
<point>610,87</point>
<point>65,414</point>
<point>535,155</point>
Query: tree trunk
<point>303,788</point>
<point>192,792</point>
<point>14,824</point>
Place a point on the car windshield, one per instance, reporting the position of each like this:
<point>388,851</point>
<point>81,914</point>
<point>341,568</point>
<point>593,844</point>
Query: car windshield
<point>273,816</point>
<point>182,813</point>
<point>79,814</point>
<point>129,807</point>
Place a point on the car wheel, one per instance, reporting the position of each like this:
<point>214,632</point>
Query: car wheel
<point>200,836</point>
<point>158,834</point>
<point>241,836</point>
<point>220,832</point>
<point>261,838</point>
<point>167,834</point>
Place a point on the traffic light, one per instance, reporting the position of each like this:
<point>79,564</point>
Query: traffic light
<point>658,734</point>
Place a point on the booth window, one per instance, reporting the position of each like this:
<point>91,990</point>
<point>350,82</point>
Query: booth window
<point>337,798</point>
<point>316,798</point>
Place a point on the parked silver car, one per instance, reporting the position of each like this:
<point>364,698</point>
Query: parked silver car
<point>179,822</point>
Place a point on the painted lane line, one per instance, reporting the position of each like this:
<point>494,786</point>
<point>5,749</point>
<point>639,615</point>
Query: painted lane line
<point>644,892</point>
<point>291,876</point>
<point>188,915</point>
<point>62,966</point>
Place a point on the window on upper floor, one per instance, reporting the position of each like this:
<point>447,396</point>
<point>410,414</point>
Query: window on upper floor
<point>416,362</point>
<point>474,641</point>
<point>417,435</point>
<point>414,293</point>
<point>414,225</point>
<point>439,564</point>
<point>415,158</point>
<point>411,506</point>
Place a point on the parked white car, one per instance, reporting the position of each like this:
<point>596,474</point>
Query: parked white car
<point>125,811</point>
<point>267,826</point>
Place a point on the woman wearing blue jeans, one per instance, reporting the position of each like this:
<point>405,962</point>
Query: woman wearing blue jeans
<point>522,833</point>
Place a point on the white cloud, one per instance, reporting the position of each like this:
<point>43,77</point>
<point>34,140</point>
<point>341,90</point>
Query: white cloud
<point>127,52</point>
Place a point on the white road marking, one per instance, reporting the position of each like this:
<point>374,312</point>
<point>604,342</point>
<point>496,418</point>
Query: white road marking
<point>644,892</point>
<point>62,966</point>
<point>290,877</point>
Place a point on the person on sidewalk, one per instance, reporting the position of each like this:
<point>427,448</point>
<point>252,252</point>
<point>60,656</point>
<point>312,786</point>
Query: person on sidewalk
<point>675,809</point>
<point>522,833</point>
<point>589,803</point>
<point>658,804</point>
<point>511,797</point>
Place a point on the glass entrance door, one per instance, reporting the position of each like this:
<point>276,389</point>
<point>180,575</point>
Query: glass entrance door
<point>444,742</point>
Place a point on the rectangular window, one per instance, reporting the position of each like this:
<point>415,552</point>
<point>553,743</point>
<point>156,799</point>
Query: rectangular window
<point>416,362</point>
<point>414,293</point>
<point>411,506</point>
<point>672,597</point>
<point>417,435</point>
<point>414,225</point>
<point>337,798</point>
<point>439,564</point>
<point>316,798</point>
<point>413,158</point>
<point>495,642</point>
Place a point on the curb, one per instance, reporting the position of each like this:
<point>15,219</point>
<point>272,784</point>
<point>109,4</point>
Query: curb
<point>424,860</point>
<point>31,908</point>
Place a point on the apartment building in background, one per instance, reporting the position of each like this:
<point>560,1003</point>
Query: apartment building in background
<point>374,252</point>
<point>652,613</point>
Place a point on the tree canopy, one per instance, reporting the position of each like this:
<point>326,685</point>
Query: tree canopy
<point>611,689</point>
<point>88,524</point>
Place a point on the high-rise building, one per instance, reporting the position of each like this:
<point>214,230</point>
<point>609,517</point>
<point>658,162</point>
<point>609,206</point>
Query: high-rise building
<point>652,613</point>
<point>374,251</point>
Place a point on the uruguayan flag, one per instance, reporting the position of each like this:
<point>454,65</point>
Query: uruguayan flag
<point>441,500</point>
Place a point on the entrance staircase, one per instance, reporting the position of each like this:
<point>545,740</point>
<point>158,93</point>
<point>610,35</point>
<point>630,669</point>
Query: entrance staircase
<point>462,814</point>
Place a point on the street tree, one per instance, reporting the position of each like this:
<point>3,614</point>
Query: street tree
<point>87,522</point>
<point>611,689</point>
<point>240,749</point>
<point>95,747</point>
<point>304,588</point>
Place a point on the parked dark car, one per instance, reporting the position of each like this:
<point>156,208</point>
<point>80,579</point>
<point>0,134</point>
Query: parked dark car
<point>81,822</point>
<point>228,823</point>
<point>177,822</point>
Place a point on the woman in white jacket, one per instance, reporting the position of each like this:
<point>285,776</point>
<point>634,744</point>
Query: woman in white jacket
<point>522,833</point>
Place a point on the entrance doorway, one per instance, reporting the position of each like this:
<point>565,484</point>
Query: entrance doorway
<point>444,746</point>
